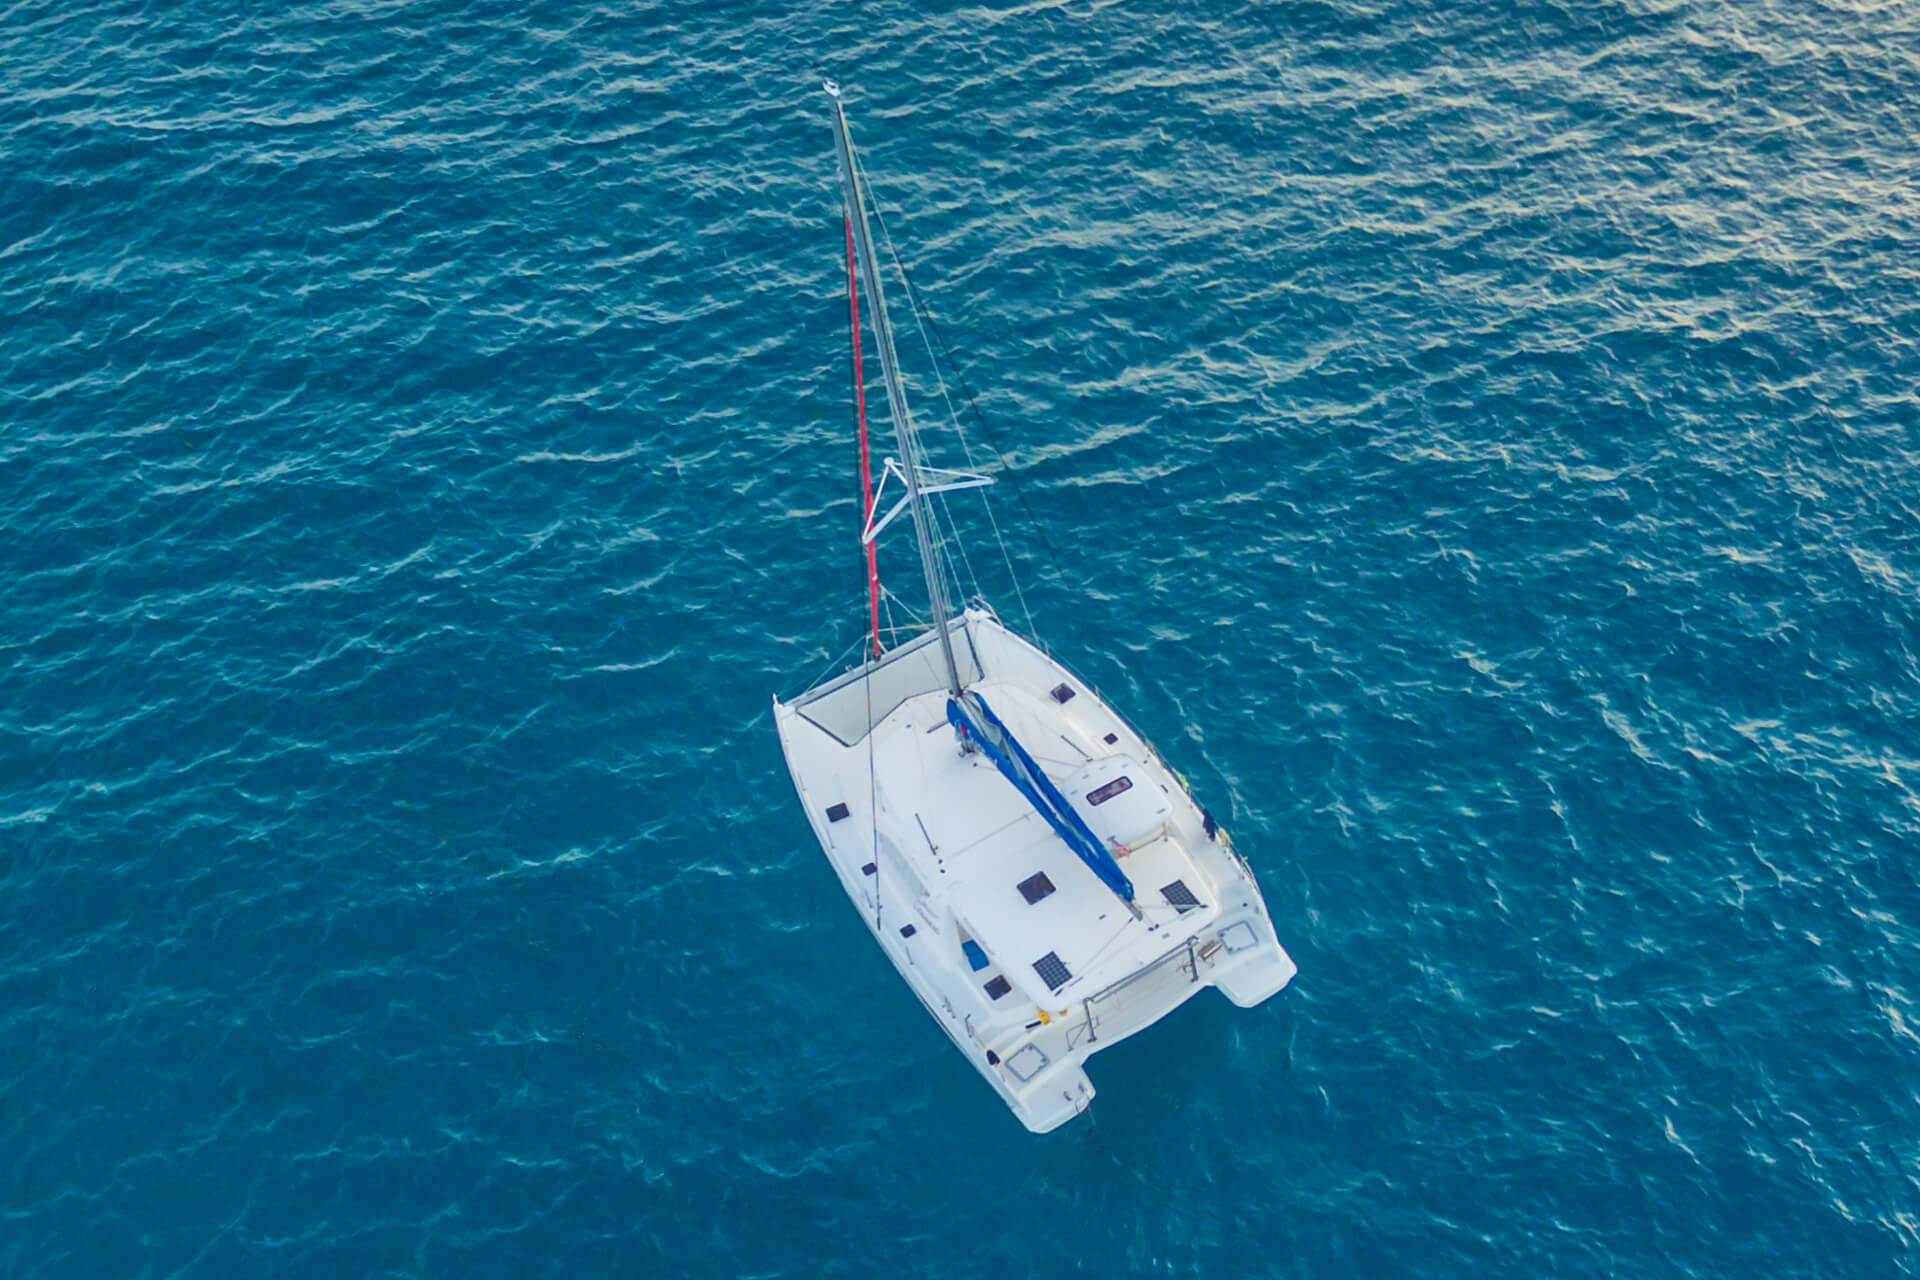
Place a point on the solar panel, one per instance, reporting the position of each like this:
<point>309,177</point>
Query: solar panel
<point>1051,971</point>
<point>1178,895</point>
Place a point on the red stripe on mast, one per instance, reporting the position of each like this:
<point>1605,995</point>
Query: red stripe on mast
<point>866,466</point>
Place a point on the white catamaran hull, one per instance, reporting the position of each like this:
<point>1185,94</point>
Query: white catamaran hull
<point>936,851</point>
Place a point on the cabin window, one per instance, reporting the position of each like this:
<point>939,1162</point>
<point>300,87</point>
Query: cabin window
<point>1036,887</point>
<point>1052,971</point>
<point>1107,791</point>
<point>999,986</point>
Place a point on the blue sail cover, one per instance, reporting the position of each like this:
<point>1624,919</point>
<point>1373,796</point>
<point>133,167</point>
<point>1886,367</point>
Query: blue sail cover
<point>1019,769</point>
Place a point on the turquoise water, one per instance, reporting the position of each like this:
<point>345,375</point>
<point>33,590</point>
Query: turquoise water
<point>1477,445</point>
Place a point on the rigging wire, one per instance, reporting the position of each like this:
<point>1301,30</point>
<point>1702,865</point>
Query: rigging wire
<point>922,318</point>
<point>873,797</point>
<point>941,511</point>
<point>926,531</point>
<point>925,322</point>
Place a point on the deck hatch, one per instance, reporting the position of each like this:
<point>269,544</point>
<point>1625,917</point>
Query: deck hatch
<point>1052,971</point>
<point>1028,1062</point>
<point>999,986</point>
<point>835,812</point>
<point>1036,887</point>
<point>1178,895</point>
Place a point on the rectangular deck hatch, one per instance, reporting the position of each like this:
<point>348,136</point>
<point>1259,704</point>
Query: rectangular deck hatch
<point>1028,1062</point>
<point>1036,887</point>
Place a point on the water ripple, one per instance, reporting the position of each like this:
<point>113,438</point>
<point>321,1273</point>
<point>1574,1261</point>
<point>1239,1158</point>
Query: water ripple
<point>426,450</point>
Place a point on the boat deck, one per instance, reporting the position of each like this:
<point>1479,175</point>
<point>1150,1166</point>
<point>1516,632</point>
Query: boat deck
<point>977,838</point>
<point>1027,960</point>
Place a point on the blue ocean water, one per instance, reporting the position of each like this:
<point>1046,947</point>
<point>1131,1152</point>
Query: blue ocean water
<point>1478,444</point>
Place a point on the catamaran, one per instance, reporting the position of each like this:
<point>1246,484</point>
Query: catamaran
<point>1042,880</point>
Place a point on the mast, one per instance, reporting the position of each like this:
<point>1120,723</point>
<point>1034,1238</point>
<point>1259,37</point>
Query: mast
<point>896,392</point>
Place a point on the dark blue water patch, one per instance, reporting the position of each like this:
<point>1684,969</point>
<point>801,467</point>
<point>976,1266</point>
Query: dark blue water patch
<point>424,451</point>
